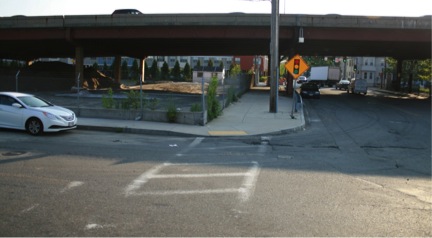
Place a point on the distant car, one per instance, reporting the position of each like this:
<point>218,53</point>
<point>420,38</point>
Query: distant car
<point>300,80</point>
<point>358,86</point>
<point>310,90</point>
<point>127,11</point>
<point>343,84</point>
<point>35,115</point>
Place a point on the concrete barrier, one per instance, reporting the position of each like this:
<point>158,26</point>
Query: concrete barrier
<point>189,118</point>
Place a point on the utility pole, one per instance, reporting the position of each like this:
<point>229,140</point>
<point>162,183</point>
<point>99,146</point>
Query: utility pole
<point>274,52</point>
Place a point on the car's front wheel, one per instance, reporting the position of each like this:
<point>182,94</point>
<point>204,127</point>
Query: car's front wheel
<point>34,126</point>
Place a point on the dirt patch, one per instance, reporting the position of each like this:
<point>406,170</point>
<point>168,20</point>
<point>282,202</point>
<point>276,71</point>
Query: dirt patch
<point>178,87</point>
<point>58,76</point>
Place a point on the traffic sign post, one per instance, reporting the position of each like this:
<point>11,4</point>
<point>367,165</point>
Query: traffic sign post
<point>296,66</point>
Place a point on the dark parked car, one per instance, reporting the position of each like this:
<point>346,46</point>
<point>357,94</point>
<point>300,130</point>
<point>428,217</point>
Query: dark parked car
<point>343,84</point>
<point>310,90</point>
<point>127,11</point>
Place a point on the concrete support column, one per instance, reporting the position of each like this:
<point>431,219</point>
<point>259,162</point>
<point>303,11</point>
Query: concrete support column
<point>274,53</point>
<point>79,64</point>
<point>117,69</point>
<point>142,65</point>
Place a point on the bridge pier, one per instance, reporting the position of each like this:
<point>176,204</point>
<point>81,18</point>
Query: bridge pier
<point>142,65</point>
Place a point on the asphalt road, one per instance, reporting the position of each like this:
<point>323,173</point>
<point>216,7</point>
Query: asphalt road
<point>362,167</point>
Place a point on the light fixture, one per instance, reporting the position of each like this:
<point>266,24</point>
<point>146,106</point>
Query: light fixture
<point>301,38</point>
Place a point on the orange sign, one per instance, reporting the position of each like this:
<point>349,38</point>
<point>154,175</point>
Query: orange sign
<point>296,66</point>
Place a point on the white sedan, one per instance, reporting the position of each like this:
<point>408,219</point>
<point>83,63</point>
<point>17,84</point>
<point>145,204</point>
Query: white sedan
<point>35,115</point>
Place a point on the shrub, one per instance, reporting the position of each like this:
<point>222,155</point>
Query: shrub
<point>196,107</point>
<point>153,103</point>
<point>108,100</point>
<point>132,100</point>
<point>172,113</point>
<point>213,105</point>
<point>231,97</point>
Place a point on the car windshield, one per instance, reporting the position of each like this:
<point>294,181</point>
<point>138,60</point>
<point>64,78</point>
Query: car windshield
<point>32,101</point>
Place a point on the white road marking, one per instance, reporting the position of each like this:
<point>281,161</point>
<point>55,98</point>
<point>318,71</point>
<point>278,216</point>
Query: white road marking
<point>245,191</point>
<point>29,209</point>
<point>194,143</point>
<point>166,176</point>
<point>186,192</point>
<point>249,182</point>
<point>96,226</point>
<point>137,183</point>
<point>72,185</point>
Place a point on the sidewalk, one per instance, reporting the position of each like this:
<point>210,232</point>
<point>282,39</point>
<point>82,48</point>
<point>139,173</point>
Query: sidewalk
<point>249,116</point>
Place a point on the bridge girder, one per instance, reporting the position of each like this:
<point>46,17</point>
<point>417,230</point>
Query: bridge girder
<point>245,35</point>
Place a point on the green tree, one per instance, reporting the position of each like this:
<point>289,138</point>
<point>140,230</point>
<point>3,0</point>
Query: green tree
<point>221,65</point>
<point>235,70</point>
<point>420,69</point>
<point>154,71</point>
<point>176,71</point>
<point>187,72</point>
<point>112,66</point>
<point>210,63</point>
<point>165,71</point>
<point>124,70</point>
<point>147,72</point>
<point>213,105</point>
<point>424,70</point>
<point>135,70</point>
<point>95,66</point>
<point>105,67</point>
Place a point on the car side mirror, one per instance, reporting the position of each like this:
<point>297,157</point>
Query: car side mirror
<point>17,105</point>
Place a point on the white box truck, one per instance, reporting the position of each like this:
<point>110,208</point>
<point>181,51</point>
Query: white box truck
<point>358,86</point>
<point>322,75</point>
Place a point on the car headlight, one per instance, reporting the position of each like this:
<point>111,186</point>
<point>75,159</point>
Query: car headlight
<point>50,116</point>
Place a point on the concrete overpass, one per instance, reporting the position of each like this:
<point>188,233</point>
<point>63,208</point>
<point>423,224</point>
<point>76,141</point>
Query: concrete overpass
<point>137,36</point>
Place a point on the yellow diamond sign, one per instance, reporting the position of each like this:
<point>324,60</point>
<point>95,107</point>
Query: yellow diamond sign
<point>296,66</point>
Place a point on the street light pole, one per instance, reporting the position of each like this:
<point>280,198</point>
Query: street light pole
<point>274,52</point>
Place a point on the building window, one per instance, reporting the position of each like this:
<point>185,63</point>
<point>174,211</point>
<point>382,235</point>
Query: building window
<point>200,74</point>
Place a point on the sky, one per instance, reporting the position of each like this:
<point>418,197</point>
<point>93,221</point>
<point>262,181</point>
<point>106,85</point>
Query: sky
<point>408,8</point>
